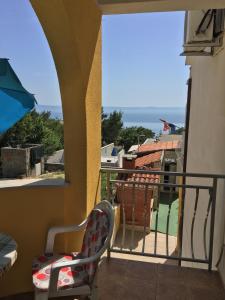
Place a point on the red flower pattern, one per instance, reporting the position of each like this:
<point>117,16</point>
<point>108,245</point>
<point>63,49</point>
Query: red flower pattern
<point>95,235</point>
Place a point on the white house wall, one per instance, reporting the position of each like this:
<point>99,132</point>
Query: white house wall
<point>206,147</point>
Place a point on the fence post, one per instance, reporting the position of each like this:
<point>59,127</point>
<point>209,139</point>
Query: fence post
<point>212,223</point>
<point>109,199</point>
<point>181,220</point>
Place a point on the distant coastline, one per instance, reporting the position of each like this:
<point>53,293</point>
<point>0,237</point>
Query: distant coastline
<point>147,117</point>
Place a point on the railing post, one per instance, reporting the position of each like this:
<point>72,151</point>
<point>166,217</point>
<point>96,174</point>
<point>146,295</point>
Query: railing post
<point>108,187</point>
<point>212,223</point>
<point>108,198</point>
<point>181,221</point>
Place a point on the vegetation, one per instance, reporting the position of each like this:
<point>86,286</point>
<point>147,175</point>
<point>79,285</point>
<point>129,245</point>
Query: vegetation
<point>180,130</point>
<point>114,132</point>
<point>111,127</point>
<point>104,184</point>
<point>129,136</point>
<point>36,128</point>
<point>53,175</point>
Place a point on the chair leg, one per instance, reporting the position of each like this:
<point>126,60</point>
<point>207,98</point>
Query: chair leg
<point>108,253</point>
<point>94,287</point>
<point>94,293</point>
<point>38,295</point>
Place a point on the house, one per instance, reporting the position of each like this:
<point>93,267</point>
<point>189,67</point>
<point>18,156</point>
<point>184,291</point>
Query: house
<point>149,141</point>
<point>132,149</point>
<point>111,156</point>
<point>170,137</point>
<point>22,161</point>
<point>143,196</point>
<point>55,162</point>
<point>73,30</point>
<point>158,145</point>
<point>171,154</point>
<point>144,199</point>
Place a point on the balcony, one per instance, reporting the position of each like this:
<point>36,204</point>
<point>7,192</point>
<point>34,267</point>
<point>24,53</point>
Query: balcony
<point>144,262</point>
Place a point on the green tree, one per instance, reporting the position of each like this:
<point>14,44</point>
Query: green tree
<point>111,127</point>
<point>104,116</point>
<point>180,130</point>
<point>36,128</point>
<point>129,136</point>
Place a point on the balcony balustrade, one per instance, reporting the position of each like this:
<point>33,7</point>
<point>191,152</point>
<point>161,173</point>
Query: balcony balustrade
<point>146,262</point>
<point>138,194</point>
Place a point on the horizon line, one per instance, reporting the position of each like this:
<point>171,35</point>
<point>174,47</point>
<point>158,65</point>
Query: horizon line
<point>116,106</point>
<point>144,106</point>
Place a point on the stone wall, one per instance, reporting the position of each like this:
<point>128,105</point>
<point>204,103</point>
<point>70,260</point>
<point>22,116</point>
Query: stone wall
<point>15,162</point>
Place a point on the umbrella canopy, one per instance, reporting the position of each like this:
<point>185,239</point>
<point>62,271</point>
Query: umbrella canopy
<point>15,101</point>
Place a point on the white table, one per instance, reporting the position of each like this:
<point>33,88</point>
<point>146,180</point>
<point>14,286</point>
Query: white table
<point>8,253</point>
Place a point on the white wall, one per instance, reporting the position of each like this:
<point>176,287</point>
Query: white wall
<point>120,158</point>
<point>107,150</point>
<point>206,149</point>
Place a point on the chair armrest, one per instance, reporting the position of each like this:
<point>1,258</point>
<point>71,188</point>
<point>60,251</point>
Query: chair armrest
<point>82,261</point>
<point>76,262</point>
<point>60,229</point>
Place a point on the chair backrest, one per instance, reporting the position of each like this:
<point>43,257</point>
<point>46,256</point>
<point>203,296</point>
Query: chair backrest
<point>98,233</point>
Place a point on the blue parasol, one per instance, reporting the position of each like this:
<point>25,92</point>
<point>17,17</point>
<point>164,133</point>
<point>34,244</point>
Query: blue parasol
<point>15,101</point>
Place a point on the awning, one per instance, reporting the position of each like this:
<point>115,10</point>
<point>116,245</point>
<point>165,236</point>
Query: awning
<point>15,101</point>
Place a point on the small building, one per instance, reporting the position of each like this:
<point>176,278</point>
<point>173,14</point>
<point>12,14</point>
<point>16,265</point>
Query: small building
<point>22,161</point>
<point>132,149</point>
<point>139,197</point>
<point>170,137</point>
<point>157,146</point>
<point>111,156</point>
<point>55,162</point>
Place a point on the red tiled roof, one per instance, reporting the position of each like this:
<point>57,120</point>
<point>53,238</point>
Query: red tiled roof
<point>169,145</point>
<point>148,159</point>
<point>145,178</point>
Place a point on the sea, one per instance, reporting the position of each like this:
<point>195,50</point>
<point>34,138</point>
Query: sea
<point>148,117</point>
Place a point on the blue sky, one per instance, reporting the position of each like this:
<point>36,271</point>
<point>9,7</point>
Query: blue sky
<point>141,62</point>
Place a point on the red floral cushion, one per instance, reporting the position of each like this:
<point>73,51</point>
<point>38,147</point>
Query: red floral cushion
<point>96,233</point>
<point>69,277</point>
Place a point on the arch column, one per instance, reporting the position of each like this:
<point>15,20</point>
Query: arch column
<point>73,30</point>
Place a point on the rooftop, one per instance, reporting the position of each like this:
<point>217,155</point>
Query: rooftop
<point>145,178</point>
<point>148,159</point>
<point>157,146</point>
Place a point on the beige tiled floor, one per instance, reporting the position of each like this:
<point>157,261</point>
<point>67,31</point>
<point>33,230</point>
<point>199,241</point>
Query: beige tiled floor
<point>134,280</point>
<point>125,279</point>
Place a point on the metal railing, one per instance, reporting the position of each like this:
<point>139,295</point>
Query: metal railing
<point>182,183</point>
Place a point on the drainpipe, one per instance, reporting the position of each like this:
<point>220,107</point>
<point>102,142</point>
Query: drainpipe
<point>187,121</point>
<point>181,208</point>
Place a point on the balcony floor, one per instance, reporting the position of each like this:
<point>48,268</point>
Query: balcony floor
<point>120,279</point>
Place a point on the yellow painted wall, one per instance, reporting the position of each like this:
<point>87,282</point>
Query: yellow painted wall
<point>73,30</point>
<point>26,214</point>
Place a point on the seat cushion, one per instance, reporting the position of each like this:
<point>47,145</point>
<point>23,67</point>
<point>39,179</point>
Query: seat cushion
<point>96,232</point>
<point>69,277</point>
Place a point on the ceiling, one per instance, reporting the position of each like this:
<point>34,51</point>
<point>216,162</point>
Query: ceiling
<point>138,6</point>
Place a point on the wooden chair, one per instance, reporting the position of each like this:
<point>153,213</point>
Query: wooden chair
<point>74,274</point>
